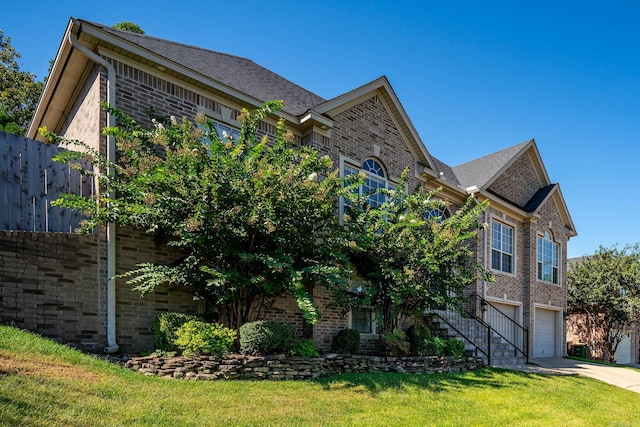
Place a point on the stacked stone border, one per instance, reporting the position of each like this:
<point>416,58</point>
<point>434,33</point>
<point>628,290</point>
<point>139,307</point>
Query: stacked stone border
<point>280,367</point>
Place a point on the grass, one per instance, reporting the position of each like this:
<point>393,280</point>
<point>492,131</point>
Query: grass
<point>602,362</point>
<point>596,361</point>
<point>46,384</point>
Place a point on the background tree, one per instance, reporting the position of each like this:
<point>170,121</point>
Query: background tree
<point>409,261</point>
<point>603,297</point>
<point>19,90</point>
<point>129,26</point>
<point>250,216</point>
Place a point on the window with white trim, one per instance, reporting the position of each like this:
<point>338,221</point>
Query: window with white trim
<point>375,178</point>
<point>501,247</point>
<point>548,259</point>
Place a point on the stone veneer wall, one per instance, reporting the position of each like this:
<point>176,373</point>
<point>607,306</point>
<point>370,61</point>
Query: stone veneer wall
<point>279,367</point>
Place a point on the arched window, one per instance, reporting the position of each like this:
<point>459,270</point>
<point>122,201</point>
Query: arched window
<point>436,214</point>
<point>375,178</point>
<point>548,258</point>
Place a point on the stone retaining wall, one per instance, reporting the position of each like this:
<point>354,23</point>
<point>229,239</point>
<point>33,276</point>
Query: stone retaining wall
<point>279,367</point>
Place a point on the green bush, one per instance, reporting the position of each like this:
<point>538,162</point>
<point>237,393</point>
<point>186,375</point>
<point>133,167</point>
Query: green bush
<point>165,327</point>
<point>346,341</point>
<point>396,343</point>
<point>306,348</point>
<point>418,336</point>
<point>200,338</point>
<point>267,337</point>
<point>439,346</point>
<point>455,347</point>
<point>430,348</point>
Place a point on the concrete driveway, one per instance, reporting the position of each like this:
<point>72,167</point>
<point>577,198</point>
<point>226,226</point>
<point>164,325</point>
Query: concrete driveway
<point>617,376</point>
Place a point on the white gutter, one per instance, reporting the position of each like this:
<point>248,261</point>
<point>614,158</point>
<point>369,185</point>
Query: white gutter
<point>112,346</point>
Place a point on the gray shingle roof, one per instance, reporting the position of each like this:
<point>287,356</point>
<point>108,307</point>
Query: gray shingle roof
<point>534,203</point>
<point>239,73</point>
<point>480,171</point>
<point>446,172</point>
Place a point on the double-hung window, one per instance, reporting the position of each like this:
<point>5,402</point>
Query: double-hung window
<point>501,247</point>
<point>548,261</point>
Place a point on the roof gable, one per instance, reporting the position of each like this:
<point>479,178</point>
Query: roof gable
<point>382,88</point>
<point>482,172</point>
<point>228,75</point>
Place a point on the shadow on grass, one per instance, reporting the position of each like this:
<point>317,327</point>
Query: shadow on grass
<point>378,382</point>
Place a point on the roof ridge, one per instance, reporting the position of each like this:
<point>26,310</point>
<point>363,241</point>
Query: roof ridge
<point>486,156</point>
<point>242,74</point>
<point>191,46</point>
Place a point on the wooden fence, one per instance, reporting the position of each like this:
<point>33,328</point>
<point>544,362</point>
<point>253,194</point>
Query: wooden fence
<point>30,180</point>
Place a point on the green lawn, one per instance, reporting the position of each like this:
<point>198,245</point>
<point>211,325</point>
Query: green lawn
<point>45,384</point>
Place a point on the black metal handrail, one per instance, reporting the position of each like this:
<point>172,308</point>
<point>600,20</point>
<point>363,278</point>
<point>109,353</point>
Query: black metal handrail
<point>504,323</point>
<point>466,334</point>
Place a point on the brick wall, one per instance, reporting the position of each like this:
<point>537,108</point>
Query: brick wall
<point>519,182</point>
<point>50,284</point>
<point>507,286</point>
<point>55,284</point>
<point>86,119</point>
<point>332,320</point>
<point>135,314</point>
<point>546,293</point>
<point>359,130</point>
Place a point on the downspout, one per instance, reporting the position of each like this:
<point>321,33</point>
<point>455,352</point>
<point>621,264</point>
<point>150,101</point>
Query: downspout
<point>484,254</point>
<point>112,345</point>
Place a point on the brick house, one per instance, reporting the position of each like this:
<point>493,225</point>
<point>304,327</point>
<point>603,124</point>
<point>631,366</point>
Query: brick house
<point>365,129</point>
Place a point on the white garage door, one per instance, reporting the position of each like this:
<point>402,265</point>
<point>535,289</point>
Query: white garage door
<point>624,354</point>
<point>544,344</point>
<point>497,319</point>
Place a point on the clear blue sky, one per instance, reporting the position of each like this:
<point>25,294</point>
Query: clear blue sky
<point>474,77</point>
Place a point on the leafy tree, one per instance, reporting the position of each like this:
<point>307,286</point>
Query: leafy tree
<point>129,26</point>
<point>250,216</point>
<point>19,90</point>
<point>409,261</point>
<point>7,124</point>
<point>603,297</point>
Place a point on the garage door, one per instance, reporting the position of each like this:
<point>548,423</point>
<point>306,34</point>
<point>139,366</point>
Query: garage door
<point>544,344</point>
<point>497,320</point>
<point>624,354</point>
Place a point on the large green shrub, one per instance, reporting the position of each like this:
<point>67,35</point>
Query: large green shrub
<point>165,327</point>
<point>267,337</point>
<point>430,348</point>
<point>306,348</point>
<point>346,341</point>
<point>419,336</point>
<point>455,347</point>
<point>200,338</point>
<point>439,346</point>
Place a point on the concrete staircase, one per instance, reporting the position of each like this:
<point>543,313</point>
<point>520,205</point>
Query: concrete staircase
<point>448,324</point>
